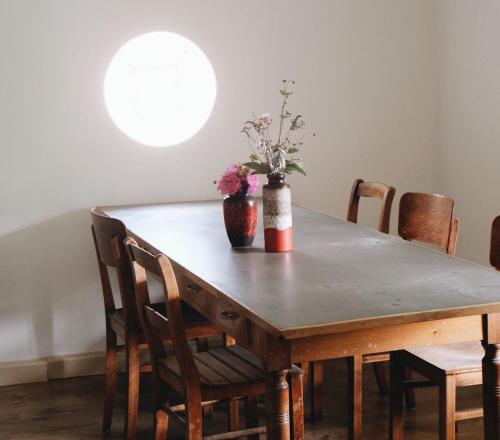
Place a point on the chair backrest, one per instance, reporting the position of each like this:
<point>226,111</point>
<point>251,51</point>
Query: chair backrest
<point>429,218</point>
<point>155,325</point>
<point>360,188</point>
<point>108,234</point>
<point>495,244</point>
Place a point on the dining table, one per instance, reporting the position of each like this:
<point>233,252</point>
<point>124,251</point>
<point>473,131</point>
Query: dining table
<point>344,290</point>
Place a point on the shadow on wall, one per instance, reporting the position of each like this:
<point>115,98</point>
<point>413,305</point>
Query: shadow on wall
<point>50,298</point>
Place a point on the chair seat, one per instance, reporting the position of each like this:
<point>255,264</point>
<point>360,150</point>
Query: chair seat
<point>222,366</point>
<point>225,372</point>
<point>190,317</point>
<point>458,358</point>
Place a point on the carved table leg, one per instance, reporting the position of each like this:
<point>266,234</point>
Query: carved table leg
<point>278,426</point>
<point>491,391</point>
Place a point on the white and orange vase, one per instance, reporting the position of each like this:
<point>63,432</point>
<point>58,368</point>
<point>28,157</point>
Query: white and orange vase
<point>277,202</point>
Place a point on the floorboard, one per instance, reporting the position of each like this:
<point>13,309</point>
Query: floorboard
<point>70,409</point>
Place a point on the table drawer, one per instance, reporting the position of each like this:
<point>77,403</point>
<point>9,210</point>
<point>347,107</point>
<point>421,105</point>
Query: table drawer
<point>221,312</point>
<point>193,294</point>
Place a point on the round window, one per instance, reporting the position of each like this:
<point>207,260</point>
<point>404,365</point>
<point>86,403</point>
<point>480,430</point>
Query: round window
<point>160,89</point>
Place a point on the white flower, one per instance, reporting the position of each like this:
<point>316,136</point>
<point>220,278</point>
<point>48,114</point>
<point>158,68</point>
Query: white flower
<point>266,117</point>
<point>264,120</point>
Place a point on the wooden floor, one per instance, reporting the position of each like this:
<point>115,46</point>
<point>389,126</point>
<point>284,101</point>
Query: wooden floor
<point>71,409</point>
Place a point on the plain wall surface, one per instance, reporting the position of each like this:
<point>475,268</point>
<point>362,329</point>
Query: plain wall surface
<point>366,82</point>
<point>469,117</point>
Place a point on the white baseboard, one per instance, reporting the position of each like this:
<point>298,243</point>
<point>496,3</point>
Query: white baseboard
<point>74,365</point>
<point>54,367</point>
<point>12,373</point>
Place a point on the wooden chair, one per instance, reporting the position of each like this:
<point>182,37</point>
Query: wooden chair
<point>448,367</point>
<point>495,244</point>
<point>385,193</point>
<point>380,191</point>
<point>429,218</point>
<point>223,374</point>
<point>108,234</point>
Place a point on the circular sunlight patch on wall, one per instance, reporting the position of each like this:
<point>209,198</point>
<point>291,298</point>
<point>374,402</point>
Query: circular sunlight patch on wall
<point>160,89</point>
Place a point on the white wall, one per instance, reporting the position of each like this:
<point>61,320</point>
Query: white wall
<point>469,109</point>
<point>366,82</point>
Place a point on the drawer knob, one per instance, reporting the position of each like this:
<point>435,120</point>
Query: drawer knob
<point>193,288</point>
<point>230,316</point>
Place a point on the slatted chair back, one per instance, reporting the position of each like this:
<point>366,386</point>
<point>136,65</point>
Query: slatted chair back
<point>495,244</point>
<point>429,218</point>
<point>380,191</point>
<point>156,325</point>
<point>108,234</point>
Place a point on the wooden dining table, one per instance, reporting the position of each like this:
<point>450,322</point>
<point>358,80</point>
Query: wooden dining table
<point>344,290</point>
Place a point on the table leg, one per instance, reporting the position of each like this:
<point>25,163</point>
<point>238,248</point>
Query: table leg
<point>491,391</point>
<point>396,398</point>
<point>355,397</point>
<point>278,419</point>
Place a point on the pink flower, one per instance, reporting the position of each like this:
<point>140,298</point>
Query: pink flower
<point>238,179</point>
<point>253,183</point>
<point>230,182</point>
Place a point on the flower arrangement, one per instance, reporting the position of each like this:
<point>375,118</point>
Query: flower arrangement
<point>278,156</point>
<point>238,180</point>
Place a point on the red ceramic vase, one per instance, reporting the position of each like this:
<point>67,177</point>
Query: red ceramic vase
<point>240,218</point>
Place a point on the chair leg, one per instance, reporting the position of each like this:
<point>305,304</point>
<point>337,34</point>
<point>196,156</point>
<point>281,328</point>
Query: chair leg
<point>355,396</point>
<point>110,379</point>
<point>316,385</point>
<point>296,406</point>
<point>161,424</point>
<point>207,411</point>
<point>161,401</point>
<point>193,419</point>
<point>201,344</point>
<point>379,371</point>
<point>447,408</point>
<point>232,410</point>
<point>396,399</point>
<point>233,415</point>
<point>133,374</point>
<point>304,366</point>
<point>252,414</point>
<point>409,392</point>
